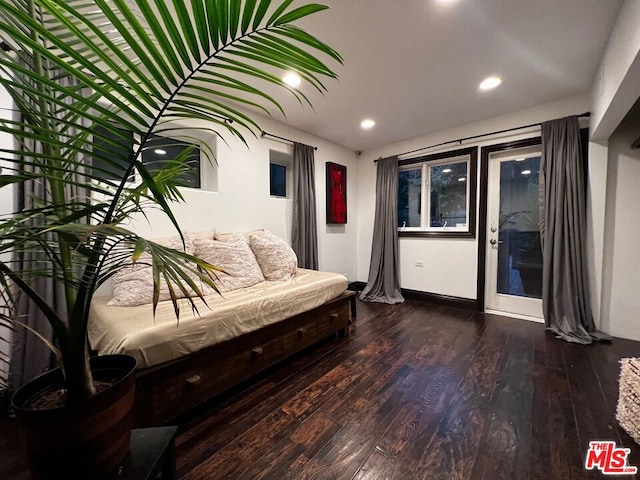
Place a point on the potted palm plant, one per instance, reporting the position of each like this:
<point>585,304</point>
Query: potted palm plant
<point>87,73</point>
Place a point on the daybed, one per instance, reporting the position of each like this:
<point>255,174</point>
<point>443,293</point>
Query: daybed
<point>236,335</point>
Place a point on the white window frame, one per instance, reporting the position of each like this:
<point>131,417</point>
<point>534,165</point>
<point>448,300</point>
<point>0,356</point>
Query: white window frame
<point>184,132</point>
<point>284,159</point>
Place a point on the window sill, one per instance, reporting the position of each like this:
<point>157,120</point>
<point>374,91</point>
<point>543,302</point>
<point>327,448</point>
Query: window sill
<point>439,234</point>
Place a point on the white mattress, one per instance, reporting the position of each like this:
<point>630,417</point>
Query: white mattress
<point>133,330</point>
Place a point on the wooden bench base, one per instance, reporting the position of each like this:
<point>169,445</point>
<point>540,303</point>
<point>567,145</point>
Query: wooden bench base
<point>171,389</point>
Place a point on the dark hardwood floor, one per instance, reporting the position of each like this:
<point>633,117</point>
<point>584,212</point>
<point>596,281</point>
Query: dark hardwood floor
<point>418,391</point>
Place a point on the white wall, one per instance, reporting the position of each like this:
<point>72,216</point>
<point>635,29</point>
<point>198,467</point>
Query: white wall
<point>243,202</point>
<point>612,230</point>
<point>617,84</point>
<point>450,265</point>
<point>6,112</point>
<point>596,200</point>
<point>6,207</point>
<point>620,299</point>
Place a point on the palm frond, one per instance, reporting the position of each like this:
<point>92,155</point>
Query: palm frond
<point>94,83</point>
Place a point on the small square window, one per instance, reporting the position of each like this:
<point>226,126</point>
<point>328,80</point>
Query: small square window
<point>162,149</point>
<point>277,180</point>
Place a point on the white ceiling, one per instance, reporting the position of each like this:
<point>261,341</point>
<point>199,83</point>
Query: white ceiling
<point>414,65</point>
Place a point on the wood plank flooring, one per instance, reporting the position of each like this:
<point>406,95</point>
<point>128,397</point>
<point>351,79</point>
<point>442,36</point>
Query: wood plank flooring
<point>418,391</point>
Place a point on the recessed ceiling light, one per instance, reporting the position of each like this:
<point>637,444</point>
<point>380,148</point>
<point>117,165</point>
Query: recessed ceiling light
<point>490,82</point>
<point>292,79</point>
<point>462,179</point>
<point>160,151</point>
<point>520,159</point>
<point>446,170</point>
<point>526,172</point>
<point>367,123</point>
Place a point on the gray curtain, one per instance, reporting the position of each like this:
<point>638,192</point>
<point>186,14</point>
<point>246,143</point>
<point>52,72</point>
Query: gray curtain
<point>304,238</point>
<point>29,356</point>
<point>384,272</point>
<point>565,288</point>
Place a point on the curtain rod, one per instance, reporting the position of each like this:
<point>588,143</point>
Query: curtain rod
<point>460,140</point>
<point>265,134</point>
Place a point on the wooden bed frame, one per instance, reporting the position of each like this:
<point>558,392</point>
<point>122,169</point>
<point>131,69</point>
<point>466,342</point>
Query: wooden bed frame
<point>171,389</point>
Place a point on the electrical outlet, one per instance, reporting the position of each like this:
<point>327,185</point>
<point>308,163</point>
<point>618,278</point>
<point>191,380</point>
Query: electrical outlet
<point>419,263</point>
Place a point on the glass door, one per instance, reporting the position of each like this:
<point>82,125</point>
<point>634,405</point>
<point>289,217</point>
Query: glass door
<point>514,258</point>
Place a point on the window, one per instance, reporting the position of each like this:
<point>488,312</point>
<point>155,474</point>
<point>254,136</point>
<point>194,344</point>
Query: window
<point>110,148</point>
<point>160,150</point>
<point>277,180</point>
<point>280,174</point>
<point>410,197</point>
<point>437,194</point>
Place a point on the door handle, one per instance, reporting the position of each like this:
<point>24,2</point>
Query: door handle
<point>493,241</point>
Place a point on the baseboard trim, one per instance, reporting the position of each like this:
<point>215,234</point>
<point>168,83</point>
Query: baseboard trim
<point>448,300</point>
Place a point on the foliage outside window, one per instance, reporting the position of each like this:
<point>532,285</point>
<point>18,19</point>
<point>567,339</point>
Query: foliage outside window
<point>112,146</point>
<point>437,194</point>
<point>163,150</point>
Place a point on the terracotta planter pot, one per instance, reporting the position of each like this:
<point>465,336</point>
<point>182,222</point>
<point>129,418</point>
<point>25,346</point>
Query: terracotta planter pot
<point>88,440</point>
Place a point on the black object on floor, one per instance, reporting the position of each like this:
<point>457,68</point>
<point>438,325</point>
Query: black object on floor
<point>152,455</point>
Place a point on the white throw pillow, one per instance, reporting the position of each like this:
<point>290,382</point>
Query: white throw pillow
<point>207,235</point>
<point>133,285</point>
<point>277,260</point>
<point>237,236</point>
<point>236,259</point>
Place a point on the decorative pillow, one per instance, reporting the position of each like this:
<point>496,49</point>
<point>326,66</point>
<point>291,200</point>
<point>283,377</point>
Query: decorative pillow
<point>230,237</point>
<point>236,259</point>
<point>277,260</point>
<point>175,242</point>
<point>133,285</point>
<point>206,235</point>
<point>237,236</point>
